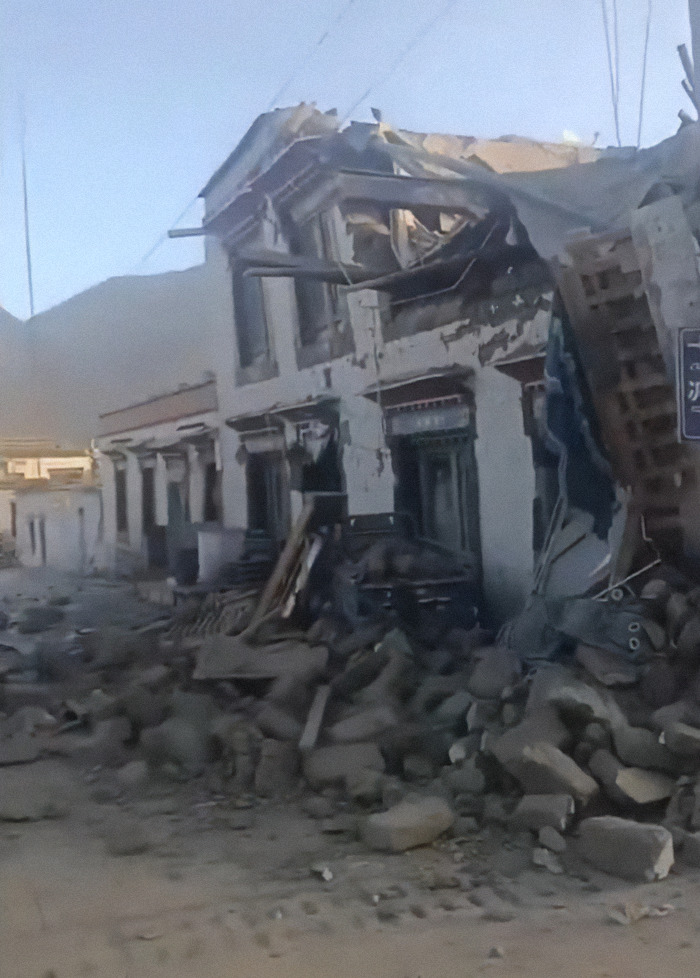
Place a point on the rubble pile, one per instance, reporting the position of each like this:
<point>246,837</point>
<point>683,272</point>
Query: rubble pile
<point>595,753</point>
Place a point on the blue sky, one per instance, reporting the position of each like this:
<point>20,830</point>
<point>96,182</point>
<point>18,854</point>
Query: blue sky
<point>131,105</point>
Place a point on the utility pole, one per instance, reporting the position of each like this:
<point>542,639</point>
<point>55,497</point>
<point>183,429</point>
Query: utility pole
<point>694,11</point>
<point>27,244</point>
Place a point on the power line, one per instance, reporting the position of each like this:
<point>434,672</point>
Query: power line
<point>164,237</point>
<point>644,75</point>
<point>324,36</point>
<point>424,31</point>
<point>613,72</point>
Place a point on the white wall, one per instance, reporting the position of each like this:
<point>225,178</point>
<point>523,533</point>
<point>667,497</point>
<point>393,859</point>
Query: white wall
<point>505,470</point>
<point>66,548</point>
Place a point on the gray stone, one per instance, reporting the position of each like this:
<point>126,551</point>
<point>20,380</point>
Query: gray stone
<point>607,667</point>
<point>418,767</point>
<point>365,786</point>
<point>481,714</point>
<point>411,823</point>
<point>550,839</point>
<point>689,845</point>
<point>543,768</point>
<point>465,825</point>
<point>19,748</point>
<point>318,807</point>
<point>631,850</point>
<point>682,711</point>
<point>38,618</point>
<point>678,612</point>
<point>176,742</point>
<point>365,725</point>
<point>465,778</point>
<point>277,769</point>
<point>30,794</point>
<point>688,642</point>
<point>605,768</point>
<point>385,687</point>
<point>453,710</point>
<point>333,765</point>
<point>132,776</point>
<point>640,747</point>
<point>494,810</point>
<point>580,703</point>
<point>539,811</point>
<point>496,667</point>
<point>276,722</point>
<point>682,739</point>
<point>597,735</point>
<point>394,790</point>
<point>103,746</point>
<point>644,787</point>
<point>546,859</point>
<point>541,725</point>
<point>143,707</point>
<point>125,837</point>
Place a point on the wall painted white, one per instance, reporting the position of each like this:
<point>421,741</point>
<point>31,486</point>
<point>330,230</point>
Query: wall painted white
<point>73,527</point>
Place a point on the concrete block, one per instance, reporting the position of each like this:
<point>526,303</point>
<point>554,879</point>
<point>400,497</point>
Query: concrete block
<point>537,811</point>
<point>632,850</point>
<point>495,668</point>
<point>543,768</point>
<point>277,769</point>
<point>411,823</point>
<point>178,742</point>
<point>278,723</point>
<point>453,710</point>
<point>549,838</point>
<point>682,739</point>
<point>644,787</point>
<point>607,667</point>
<point>605,768</point>
<point>365,786</point>
<point>333,765</point>
<point>541,725</point>
<point>365,725</point>
<point>639,747</point>
<point>465,778</point>
<point>132,776</point>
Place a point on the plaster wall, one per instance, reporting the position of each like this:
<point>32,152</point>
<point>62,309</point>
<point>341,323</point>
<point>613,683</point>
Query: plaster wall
<point>73,542</point>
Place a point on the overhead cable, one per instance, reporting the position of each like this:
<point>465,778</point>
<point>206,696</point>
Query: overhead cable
<point>405,51</point>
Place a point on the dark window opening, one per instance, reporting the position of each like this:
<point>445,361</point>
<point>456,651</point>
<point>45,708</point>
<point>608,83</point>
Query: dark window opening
<point>32,536</point>
<point>268,497</point>
<point>120,491</point>
<point>148,499</point>
<point>211,493</point>
<point>324,474</point>
<point>42,539</point>
<point>251,321</point>
<point>13,519</point>
<point>436,487</point>
<point>317,302</point>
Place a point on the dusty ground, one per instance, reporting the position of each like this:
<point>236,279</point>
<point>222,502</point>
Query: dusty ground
<point>225,891</point>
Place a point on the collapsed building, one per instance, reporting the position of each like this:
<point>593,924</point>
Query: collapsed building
<point>449,375</point>
<point>382,332</point>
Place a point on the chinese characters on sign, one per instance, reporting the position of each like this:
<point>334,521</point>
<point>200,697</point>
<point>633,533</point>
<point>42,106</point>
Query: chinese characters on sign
<point>689,384</point>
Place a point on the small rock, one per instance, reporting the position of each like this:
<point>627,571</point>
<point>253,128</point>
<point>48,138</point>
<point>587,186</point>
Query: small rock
<point>537,811</point>
<point>133,775</point>
<point>550,839</point>
<point>126,837</point>
<point>607,667</point>
<point>365,786</point>
<point>644,787</point>
<point>410,823</point>
<point>333,765</point>
<point>633,850</point>
<point>682,739</point>
<point>496,952</point>
<point>547,860</point>
<point>496,667</point>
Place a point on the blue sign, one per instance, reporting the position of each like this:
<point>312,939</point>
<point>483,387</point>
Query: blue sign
<point>689,383</point>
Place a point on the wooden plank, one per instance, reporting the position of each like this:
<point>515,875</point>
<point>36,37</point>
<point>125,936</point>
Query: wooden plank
<point>314,719</point>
